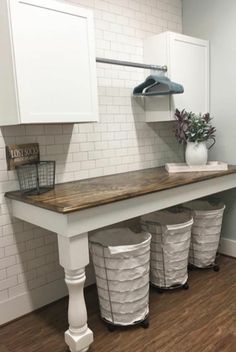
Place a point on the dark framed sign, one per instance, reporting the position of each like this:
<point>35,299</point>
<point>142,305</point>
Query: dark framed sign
<point>20,154</point>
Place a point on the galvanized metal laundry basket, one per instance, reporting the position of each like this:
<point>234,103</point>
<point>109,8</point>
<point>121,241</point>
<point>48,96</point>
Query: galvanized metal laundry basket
<point>171,233</point>
<point>121,260</point>
<point>206,230</point>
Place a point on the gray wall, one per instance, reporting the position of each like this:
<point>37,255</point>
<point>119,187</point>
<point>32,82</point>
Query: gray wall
<point>216,20</point>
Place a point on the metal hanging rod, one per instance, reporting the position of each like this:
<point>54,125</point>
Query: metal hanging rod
<point>131,64</point>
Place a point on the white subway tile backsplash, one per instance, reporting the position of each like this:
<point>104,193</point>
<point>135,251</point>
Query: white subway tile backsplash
<point>9,229</point>
<point>53,129</point>
<point>26,276</point>
<point>122,140</point>
<point>108,136</point>
<point>93,155</point>
<point>36,130</point>
<point>15,269</point>
<point>14,249</point>
<point>6,241</point>
<point>85,147</point>
<point>42,251</point>
<point>114,144</point>
<point>108,170</point>
<point>39,281</point>
<point>55,276</point>
<point>34,243</point>
<point>55,149</point>
<point>87,165</point>
<point>80,156</point>
<point>96,172</point>
<point>3,295</point>
<point>85,128</point>
<point>18,290</point>
<point>65,177</point>
<point>94,137</point>
<point>5,284</point>
<point>101,145</point>
<point>101,163</point>
<point>3,274</point>
<point>81,174</point>
<point>78,137</point>
<point>25,256</point>
<point>36,263</point>
<point>7,262</point>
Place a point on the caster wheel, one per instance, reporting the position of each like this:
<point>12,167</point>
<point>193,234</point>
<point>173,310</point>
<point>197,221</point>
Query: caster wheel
<point>186,287</point>
<point>111,328</point>
<point>216,268</point>
<point>145,324</point>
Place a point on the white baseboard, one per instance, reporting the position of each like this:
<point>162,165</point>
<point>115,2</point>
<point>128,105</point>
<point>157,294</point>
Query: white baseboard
<point>228,247</point>
<point>31,300</point>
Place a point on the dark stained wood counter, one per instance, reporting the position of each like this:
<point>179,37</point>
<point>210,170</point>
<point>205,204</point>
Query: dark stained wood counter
<point>73,196</point>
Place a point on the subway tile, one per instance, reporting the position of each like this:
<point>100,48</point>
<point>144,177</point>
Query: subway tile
<point>3,295</point>
<point>15,269</point>
<point>36,263</point>
<point>3,274</point>
<point>121,141</point>
<point>38,282</point>
<point>9,282</point>
<point>26,276</point>
<point>7,262</point>
<point>14,249</point>
<point>18,290</point>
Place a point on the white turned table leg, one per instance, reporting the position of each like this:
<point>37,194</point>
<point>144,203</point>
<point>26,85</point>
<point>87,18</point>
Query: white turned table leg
<point>74,256</point>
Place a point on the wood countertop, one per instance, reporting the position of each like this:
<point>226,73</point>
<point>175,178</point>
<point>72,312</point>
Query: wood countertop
<point>77,195</point>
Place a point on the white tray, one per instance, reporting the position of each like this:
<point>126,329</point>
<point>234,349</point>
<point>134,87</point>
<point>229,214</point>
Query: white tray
<point>210,166</point>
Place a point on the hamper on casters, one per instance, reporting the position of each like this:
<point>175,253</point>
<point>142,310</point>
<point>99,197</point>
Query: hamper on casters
<point>171,233</point>
<point>208,216</point>
<point>121,260</point>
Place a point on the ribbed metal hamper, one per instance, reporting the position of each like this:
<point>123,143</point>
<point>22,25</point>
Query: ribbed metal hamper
<point>171,233</point>
<point>206,230</point>
<point>121,260</point>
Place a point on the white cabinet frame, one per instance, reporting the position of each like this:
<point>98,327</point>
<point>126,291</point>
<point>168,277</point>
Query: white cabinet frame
<point>48,64</point>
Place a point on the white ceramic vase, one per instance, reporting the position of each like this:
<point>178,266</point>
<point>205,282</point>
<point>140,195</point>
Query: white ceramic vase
<point>196,153</point>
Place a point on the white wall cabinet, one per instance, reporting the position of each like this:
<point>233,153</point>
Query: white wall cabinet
<point>187,59</point>
<point>47,65</point>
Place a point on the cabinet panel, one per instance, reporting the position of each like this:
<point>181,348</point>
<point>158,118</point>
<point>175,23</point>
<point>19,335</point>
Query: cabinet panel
<point>189,66</point>
<point>55,62</point>
<point>8,97</point>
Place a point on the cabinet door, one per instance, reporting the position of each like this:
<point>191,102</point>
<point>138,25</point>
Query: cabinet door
<point>55,61</point>
<point>189,66</point>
